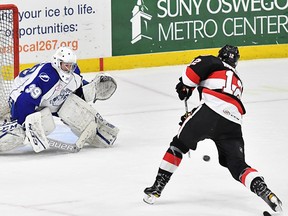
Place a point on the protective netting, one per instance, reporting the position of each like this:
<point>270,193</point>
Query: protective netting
<point>7,61</point>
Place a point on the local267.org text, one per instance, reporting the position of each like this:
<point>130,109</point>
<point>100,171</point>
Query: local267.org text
<point>41,45</point>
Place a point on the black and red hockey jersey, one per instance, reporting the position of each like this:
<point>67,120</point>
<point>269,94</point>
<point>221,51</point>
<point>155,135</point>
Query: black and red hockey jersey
<point>219,85</point>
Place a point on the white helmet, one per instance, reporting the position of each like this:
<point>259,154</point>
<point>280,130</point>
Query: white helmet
<point>68,57</point>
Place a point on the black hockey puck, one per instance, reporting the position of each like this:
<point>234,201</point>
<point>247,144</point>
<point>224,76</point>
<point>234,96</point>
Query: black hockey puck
<point>266,213</point>
<point>206,158</point>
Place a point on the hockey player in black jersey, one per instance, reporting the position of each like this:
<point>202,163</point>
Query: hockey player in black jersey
<point>215,86</point>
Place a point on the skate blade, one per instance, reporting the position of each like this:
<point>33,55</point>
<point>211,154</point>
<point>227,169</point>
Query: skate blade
<point>149,199</point>
<point>278,204</point>
<point>279,209</point>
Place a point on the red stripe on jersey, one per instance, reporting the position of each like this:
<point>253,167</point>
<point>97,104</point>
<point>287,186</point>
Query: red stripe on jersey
<point>225,98</point>
<point>192,75</point>
<point>218,75</point>
<point>246,173</point>
<point>222,75</point>
<point>172,159</point>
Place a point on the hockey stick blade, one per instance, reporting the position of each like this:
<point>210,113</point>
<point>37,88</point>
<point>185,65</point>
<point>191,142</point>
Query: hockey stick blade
<point>63,146</point>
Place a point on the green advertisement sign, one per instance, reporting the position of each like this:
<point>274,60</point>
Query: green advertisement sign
<point>151,26</point>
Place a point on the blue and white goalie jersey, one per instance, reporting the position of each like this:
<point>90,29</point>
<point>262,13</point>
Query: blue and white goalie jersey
<point>41,86</point>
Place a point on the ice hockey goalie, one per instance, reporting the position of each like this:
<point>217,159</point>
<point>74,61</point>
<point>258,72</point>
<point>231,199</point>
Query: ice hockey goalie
<point>56,88</point>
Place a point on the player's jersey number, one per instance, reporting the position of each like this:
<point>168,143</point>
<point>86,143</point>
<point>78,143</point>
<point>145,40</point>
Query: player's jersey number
<point>229,88</point>
<point>34,91</point>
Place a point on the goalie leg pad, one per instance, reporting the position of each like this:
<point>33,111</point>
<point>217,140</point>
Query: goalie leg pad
<point>77,114</point>
<point>105,136</point>
<point>35,133</point>
<point>11,136</point>
<point>46,116</point>
<point>87,123</point>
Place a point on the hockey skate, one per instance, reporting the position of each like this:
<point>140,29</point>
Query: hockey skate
<point>259,187</point>
<point>154,192</point>
<point>272,200</point>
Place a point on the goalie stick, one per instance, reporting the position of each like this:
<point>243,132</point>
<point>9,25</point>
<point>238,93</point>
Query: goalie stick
<point>56,144</point>
<point>53,144</point>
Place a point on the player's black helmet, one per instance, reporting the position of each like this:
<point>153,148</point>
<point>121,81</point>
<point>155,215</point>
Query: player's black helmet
<point>229,54</point>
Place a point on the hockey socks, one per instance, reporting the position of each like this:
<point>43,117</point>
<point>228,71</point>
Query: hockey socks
<point>171,160</point>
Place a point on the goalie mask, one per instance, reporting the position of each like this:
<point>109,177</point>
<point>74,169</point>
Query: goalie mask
<point>64,61</point>
<point>229,54</point>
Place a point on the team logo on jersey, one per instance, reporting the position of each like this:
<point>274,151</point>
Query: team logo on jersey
<point>44,77</point>
<point>58,100</point>
<point>226,112</point>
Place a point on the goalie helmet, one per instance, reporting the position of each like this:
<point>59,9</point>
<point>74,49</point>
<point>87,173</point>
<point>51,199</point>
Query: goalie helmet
<point>64,61</point>
<point>229,54</point>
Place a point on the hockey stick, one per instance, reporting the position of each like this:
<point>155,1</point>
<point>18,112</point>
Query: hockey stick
<point>186,107</point>
<point>55,144</point>
<point>205,157</point>
<point>187,114</point>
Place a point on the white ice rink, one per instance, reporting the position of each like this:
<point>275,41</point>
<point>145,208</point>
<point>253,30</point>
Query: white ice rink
<point>110,182</point>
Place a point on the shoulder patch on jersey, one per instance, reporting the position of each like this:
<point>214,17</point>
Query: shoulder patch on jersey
<point>44,77</point>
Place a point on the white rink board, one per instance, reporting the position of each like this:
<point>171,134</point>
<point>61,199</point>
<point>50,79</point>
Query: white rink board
<point>84,26</point>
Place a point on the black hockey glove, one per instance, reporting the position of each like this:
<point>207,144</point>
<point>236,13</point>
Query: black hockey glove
<point>184,92</point>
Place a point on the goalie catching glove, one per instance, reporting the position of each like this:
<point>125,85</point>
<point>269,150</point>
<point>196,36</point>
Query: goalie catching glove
<point>102,87</point>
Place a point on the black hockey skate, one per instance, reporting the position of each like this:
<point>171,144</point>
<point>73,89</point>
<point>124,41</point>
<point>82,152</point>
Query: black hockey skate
<point>154,192</point>
<point>259,187</point>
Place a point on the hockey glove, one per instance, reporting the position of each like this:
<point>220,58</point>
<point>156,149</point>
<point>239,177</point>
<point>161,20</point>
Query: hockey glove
<point>184,92</point>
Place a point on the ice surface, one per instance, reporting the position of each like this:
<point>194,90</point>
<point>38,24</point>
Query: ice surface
<point>110,182</point>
